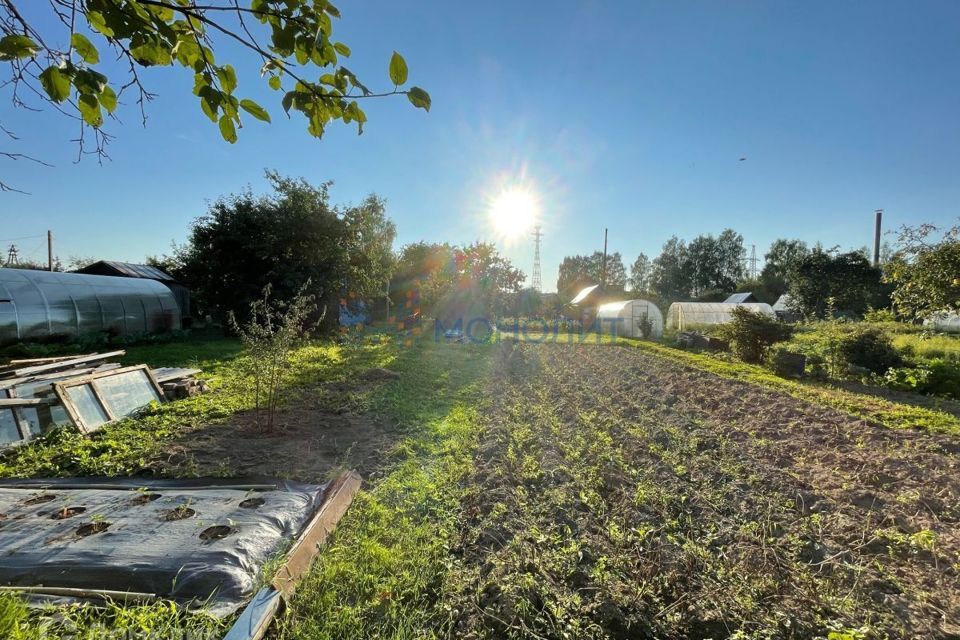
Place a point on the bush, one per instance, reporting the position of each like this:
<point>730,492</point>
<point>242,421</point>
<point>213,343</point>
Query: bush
<point>752,334</point>
<point>870,349</point>
<point>940,378</point>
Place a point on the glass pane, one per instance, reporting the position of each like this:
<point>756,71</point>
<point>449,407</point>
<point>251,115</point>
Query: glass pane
<point>87,405</point>
<point>8,427</point>
<point>127,392</point>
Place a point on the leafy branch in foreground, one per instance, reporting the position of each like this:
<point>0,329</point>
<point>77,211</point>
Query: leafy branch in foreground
<point>56,58</point>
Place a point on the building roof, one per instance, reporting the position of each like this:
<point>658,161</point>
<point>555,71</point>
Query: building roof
<point>738,298</point>
<point>128,270</point>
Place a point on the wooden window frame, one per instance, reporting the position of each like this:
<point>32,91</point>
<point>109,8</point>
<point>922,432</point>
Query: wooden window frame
<point>61,388</point>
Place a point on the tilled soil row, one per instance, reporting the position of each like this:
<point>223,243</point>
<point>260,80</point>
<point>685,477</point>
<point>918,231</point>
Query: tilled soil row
<point>621,495</point>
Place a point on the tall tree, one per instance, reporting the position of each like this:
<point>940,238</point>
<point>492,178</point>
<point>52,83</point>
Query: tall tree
<point>577,272</point>
<point>845,282</point>
<point>641,273</point>
<point>483,285</point>
<point>54,53</point>
<point>926,272</point>
<point>670,278</point>
<point>284,239</point>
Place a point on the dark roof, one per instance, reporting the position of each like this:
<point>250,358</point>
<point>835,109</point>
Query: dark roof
<point>739,298</point>
<point>128,270</point>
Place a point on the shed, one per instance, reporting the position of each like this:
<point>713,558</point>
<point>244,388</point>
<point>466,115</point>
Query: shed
<point>626,317</point>
<point>739,298</point>
<point>683,315</point>
<point>44,304</point>
<point>145,271</point>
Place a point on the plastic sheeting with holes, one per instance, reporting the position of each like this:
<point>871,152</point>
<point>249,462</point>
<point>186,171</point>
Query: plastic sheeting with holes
<point>685,315</point>
<point>193,541</point>
<point>626,317</point>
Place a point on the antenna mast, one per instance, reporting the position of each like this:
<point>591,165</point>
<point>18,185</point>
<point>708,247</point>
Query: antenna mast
<point>536,283</point>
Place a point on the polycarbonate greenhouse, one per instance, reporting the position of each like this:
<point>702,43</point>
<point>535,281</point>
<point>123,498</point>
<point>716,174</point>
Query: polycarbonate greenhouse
<point>625,317</point>
<point>684,315</point>
<point>42,304</point>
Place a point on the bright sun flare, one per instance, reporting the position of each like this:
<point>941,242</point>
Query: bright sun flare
<point>513,212</point>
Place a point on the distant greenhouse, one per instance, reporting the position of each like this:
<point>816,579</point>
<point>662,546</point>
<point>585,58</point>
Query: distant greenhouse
<point>684,315</point>
<point>947,322</point>
<point>35,305</point>
<point>626,317</point>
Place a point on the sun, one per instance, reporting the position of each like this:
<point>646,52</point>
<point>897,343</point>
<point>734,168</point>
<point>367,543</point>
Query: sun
<point>514,212</point>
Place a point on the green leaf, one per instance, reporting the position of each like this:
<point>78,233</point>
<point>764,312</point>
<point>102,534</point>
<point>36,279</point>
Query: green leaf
<point>227,130</point>
<point>228,78</point>
<point>342,49</point>
<point>255,110</point>
<point>210,100</point>
<point>398,69</point>
<point>287,101</point>
<point>90,110</point>
<point>15,46</point>
<point>99,24</point>
<point>108,99</point>
<point>419,98</point>
<point>84,48</point>
<point>275,83</point>
<point>55,83</point>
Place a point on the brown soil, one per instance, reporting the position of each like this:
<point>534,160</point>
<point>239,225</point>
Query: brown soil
<point>622,495</point>
<point>309,442</point>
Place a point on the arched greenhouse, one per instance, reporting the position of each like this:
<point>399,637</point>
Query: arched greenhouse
<point>685,315</point>
<point>35,305</point>
<point>626,318</point>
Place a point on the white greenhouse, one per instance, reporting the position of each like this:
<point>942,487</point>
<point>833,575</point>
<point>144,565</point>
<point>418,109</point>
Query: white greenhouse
<point>947,322</point>
<point>625,317</point>
<point>684,315</point>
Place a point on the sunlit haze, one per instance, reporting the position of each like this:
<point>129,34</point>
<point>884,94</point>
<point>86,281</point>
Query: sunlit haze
<point>513,213</point>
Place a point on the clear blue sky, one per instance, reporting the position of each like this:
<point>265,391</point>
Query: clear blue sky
<point>630,115</point>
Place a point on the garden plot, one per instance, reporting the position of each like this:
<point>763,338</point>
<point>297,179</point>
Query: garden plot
<point>617,494</point>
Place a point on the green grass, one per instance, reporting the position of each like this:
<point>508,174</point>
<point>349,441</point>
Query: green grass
<point>379,574</point>
<point>382,575</point>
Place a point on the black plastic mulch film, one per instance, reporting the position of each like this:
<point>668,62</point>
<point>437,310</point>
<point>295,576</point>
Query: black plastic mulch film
<point>200,542</point>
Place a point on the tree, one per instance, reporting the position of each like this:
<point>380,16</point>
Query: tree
<point>846,282</point>
<point>640,274</point>
<point>285,239</point>
<point>669,277</point>
<point>715,265</point>
<point>925,272</point>
<point>483,284</point>
<point>56,58</point>
<point>577,272</point>
<point>780,263</point>
<point>423,273</point>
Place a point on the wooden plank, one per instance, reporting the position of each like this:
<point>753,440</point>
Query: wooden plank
<point>23,402</point>
<point>127,597</point>
<point>167,374</point>
<point>23,362</point>
<point>338,497</point>
<point>63,364</point>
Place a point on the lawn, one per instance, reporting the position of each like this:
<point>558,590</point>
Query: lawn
<point>560,491</point>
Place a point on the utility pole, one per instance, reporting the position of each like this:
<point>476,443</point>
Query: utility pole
<point>876,238</point>
<point>603,278</point>
<point>49,250</point>
<point>536,283</point>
